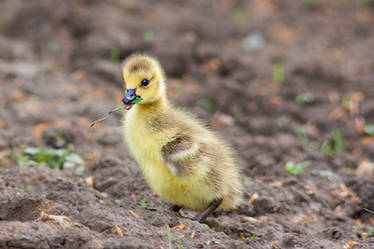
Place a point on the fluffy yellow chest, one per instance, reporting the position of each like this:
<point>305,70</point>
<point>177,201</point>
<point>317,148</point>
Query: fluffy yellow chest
<point>145,144</point>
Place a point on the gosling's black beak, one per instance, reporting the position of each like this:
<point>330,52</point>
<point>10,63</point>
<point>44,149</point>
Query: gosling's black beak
<point>130,96</point>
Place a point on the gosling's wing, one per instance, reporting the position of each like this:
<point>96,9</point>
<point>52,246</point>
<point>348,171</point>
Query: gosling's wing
<point>180,154</point>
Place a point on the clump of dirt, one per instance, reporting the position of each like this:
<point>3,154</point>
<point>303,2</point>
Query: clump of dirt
<point>285,82</point>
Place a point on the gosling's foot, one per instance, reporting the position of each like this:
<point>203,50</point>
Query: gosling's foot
<point>212,206</point>
<point>180,212</point>
<point>175,208</point>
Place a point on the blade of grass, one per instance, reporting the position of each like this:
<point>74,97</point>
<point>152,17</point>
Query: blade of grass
<point>278,73</point>
<point>169,237</point>
<point>115,54</point>
<point>179,241</point>
<point>144,203</point>
<point>337,137</point>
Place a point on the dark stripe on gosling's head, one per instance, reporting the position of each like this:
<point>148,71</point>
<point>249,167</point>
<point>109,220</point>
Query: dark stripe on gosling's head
<point>139,64</point>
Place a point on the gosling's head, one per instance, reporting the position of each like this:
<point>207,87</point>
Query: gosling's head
<point>144,80</point>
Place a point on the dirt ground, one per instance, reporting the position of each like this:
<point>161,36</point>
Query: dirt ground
<point>238,65</point>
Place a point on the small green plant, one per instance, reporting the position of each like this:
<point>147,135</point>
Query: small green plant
<point>148,35</point>
<point>253,236</point>
<point>304,98</point>
<point>207,104</point>
<point>108,204</point>
<point>333,146</point>
<point>278,73</point>
<point>115,54</point>
<point>369,130</point>
<point>337,138</point>
<point>51,158</point>
<point>345,102</point>
<point>143,203</point>
<point>240,15</point>
<point>27,189</point>
<point>296,169</point>
<point>327,149</point>
<point>302,135</point>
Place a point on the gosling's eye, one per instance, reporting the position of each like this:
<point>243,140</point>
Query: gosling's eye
<point>145,82</point>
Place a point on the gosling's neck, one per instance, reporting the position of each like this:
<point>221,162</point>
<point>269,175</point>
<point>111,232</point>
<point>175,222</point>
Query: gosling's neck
<point>155,107</point>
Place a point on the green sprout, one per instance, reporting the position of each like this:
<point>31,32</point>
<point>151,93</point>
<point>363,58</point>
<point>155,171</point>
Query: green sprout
<point>278,73</point>
<point>143,203</point>
<point>115,54</point>
<point>148,35</point>
<point>296,169</point>
<point>240,15</point>
<point>345,102</point>
<point>27,189</point>
<point>333,146</point>
<point>304,98</point>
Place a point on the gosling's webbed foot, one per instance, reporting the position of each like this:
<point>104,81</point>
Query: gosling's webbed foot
<point>212,206</point>
<point>179,212</point>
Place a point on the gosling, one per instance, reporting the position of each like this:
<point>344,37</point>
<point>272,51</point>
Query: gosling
<point>181,159</point>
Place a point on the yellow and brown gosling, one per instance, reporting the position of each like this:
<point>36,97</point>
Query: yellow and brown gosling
<point>182,160</point>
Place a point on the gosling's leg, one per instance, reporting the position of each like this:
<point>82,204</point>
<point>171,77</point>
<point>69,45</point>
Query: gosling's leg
<point>212,206</point>
<point>175,208</point>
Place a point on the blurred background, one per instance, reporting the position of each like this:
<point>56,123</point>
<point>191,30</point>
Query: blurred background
<point>290,84</point>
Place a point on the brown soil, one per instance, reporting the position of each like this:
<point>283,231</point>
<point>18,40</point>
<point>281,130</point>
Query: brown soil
<point>59,70</point>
